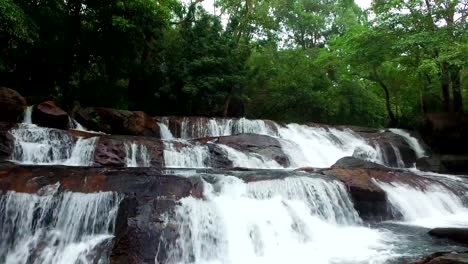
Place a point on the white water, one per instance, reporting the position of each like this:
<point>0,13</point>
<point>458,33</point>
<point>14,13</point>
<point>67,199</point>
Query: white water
<point>82,152</point>
<point>186,155</point>
<point>137,155</point>
<point>164,130</point>
<point>435,206</point>
<point>320,147</point>
<point>250,160</point>
<point>39,145</point>
<point>52,228</point>
<point>297,220</point>
<point>412,141</point>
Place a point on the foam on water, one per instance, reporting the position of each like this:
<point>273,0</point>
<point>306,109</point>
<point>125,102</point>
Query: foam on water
<point>297,220</point>
<point>56,228</point>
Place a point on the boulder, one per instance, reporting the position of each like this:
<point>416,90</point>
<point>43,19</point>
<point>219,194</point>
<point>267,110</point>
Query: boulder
<point>121,122</point>
<point>446,133</point>
<point>12,106</point>
<point>47,114</point>
<point>459,235</point>
<point>450,164</point>
<point>6,140</point>
<point>445,258</point>
<point>392,145</point>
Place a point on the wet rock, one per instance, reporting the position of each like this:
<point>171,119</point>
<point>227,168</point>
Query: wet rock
<point>47,114</point>
<point>111,150</point>
<point>120,122</point>
<point>353,162</point>
<point>392,145</point>
<point>6,140</point>
<point>459,235</point>
<point>445,258</point>
<point>449,164</point>
<point>12,106</point>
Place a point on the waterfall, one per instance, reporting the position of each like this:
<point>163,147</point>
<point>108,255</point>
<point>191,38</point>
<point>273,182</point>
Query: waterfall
<point>185,154</point>
<point>250,160</point>
<point>399,160</point>
<point>27,119</point>
<point>164,130</point>
<point>73,124</point>
<point>39,145</point>
<point>412,141</point>
<point>213,127</point>
<point>82,153</point>
<point>56,228</point>
<point>433,206</point>
<point>137,155</point>
<point>321,147</point>
<point>296,220</point>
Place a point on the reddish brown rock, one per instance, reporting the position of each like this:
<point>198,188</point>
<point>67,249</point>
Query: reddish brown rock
<point>120,122</point>
<point>12,105</point>
<point>47,114</point>
<point>445,258</point>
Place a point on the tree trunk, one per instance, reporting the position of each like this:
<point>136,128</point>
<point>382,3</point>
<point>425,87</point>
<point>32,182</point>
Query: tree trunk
<point>445,85</point>
<point>74,8</point>
<point>456,89</point>
<point>391,116</point>
<point>227,102</point>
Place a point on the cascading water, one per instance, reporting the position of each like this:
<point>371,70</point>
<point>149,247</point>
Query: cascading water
<point>56,228</point>
<point>73,124</point>
<point>431,206</point>
<point>306,146</point>
<point>137,155</point>
<point>412,141</point>
<point>321,147</point>
<point>82,152</point>
<point>164,129</point>
<point>213,127</point>
<point>184,154</point>
<point>39,145</point>
<point>296,220</point>
<point>250,160</point>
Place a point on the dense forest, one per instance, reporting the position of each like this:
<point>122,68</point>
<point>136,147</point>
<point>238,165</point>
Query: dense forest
<point>296,60</point>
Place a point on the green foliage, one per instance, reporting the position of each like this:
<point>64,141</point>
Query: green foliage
<point>295,60</point>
